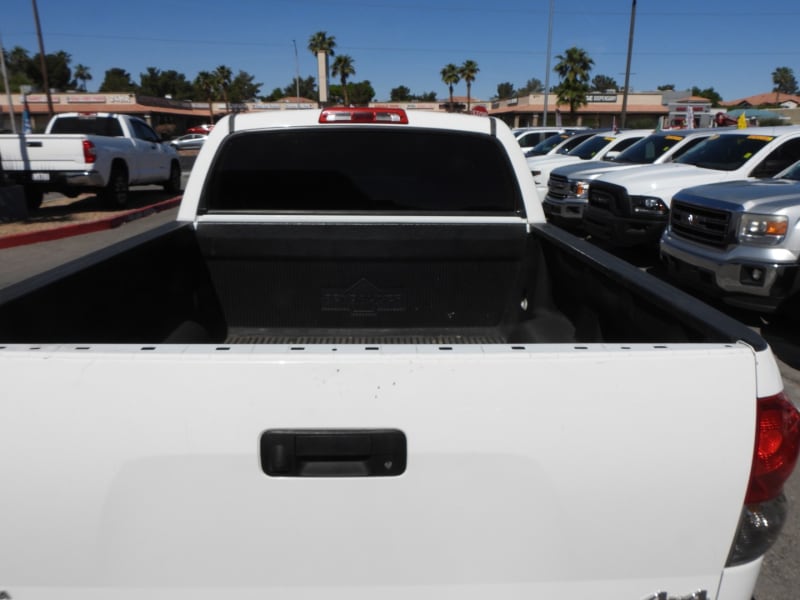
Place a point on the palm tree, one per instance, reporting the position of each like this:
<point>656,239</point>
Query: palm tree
<point>343,67</point>
<point>573,67</point>
<point>321,45</point>
<point>451,76</point>
<point>784,80</point>
<point>206,82</point>
<point>468,71</point>
<point>222,79</point>
<point>83,75</point>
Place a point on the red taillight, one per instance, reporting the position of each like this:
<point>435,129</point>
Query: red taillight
<point>341,114</point>
<point>776,447</point>
<point>89,152</point>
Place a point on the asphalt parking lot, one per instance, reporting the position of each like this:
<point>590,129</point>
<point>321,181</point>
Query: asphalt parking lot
<point>780,576</point>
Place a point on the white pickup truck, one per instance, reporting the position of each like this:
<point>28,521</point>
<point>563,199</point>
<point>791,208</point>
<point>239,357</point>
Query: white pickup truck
<point>631,207</point>
<point>92,152</point>
<point>568,186</point>
<point>379,374</point>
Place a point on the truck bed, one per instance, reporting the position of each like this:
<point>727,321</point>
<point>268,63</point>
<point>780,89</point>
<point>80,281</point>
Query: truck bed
<point>296,284</point>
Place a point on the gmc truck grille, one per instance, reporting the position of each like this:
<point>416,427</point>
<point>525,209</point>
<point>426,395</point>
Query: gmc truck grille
<point>700,224</point>
<point>558,186</point>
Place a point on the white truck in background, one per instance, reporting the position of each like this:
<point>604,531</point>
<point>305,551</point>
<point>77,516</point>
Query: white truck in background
<point>105,153</point>
<point>600,146</point>
<point>398,381</point>
<point>630,207</point>
<point>568,186</point>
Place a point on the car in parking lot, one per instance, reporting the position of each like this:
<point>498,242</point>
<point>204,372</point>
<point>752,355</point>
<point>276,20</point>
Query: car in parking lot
<point>190,141</point>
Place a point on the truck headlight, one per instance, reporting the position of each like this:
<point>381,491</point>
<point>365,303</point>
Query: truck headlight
<point>763,229</point>
<point>648,204</point>
<point>579,188</point>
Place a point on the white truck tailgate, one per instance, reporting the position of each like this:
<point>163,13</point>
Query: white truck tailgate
<point>537,472</point>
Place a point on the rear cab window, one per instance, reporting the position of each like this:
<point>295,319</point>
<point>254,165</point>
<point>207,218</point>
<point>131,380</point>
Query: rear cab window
<point>383,169</point>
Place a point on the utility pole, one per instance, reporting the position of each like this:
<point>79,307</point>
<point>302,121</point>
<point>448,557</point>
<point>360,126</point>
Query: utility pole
<point>8,89</point>
<point>547,67</point>
<point>628,69</point>
<point>43,62</point>
<point>296,75</point>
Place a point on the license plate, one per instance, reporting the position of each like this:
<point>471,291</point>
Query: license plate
<point>40,176</point>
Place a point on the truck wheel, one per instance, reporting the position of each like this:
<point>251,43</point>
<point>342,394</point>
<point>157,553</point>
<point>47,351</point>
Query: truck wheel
<point>115,193</point>
<point>173,184</point>
<point>33,197</point>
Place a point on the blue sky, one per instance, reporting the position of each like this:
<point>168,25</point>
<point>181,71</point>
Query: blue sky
<point>732,46</point>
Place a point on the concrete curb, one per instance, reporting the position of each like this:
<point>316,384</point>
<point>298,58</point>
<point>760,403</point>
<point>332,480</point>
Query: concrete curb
<point>56,233</point>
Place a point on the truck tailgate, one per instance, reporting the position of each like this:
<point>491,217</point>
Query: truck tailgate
<point>44,152</point>
<point>532,471</point>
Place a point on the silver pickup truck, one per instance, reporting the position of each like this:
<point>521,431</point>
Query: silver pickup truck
<point>738,240</point>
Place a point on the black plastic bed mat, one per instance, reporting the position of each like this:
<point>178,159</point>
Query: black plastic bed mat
<point>365,336</point>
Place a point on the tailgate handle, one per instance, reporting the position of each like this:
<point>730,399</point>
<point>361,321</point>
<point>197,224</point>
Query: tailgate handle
<point>33,144</point>
<point>333,452</point>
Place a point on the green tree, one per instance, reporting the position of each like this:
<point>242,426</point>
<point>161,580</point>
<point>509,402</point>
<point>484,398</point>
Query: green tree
<point>81,75</point>
<point>59,74</point>
<point>343,68</point>
<point>451,75</point>
<point>361,93</point>
<point>532,86</point>
<point>784,80</point>
<point>206,84</point>
<point>307,87</point>
<point>425,97</point>
<point>243,88</point>
<point>222,80</point>
<point>505,90</point>
<point>708,94</point>
<point>468,71</point>
<point>117,80</point>
<point>573,67</point>
<point>17,60</point>
<point>400,94</point>
<point>602,83</point>
<point>161,84</point>
<point>666,87</point>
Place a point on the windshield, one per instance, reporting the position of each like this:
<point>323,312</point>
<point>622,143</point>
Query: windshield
<point>592,146</point>
<point>725,152</point>
<point>648,149</point>
<point>547,144</point>
<point>792,172</point>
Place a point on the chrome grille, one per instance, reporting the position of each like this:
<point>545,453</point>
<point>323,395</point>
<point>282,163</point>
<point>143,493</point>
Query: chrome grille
<point>701,224</point>
<point>558,186</point>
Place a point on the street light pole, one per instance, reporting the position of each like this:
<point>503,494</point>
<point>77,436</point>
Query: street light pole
<point>547,67</point>
<point>628,68</point>
<point>43,62</point>
<point>297,73</point>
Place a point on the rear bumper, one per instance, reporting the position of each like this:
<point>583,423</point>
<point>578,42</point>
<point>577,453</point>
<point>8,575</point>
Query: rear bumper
<point>56,179</point>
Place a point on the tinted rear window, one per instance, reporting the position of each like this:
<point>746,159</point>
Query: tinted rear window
<point>88,126</point>
<point>365,169</point>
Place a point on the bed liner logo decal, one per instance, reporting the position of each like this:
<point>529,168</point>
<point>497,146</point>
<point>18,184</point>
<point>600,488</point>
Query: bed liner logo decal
<point>698,595</point>
<point>363,299</point>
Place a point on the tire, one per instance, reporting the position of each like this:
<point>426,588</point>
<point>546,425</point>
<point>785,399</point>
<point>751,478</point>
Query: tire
<point>33,197</point>
<point>173,184</point>
<point>115,194</point>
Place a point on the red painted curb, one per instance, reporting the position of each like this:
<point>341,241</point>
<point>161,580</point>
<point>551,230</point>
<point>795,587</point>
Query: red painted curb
<point>56,233</point>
